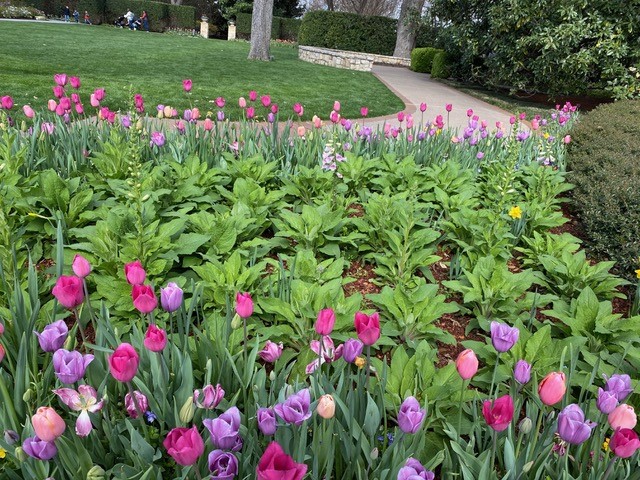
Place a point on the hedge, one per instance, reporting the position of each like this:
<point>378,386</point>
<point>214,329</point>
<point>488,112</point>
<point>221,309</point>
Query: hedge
<point>603,163</point>
<point>422,59</point>
<point>281,28</point>
<point>348,31</point>
<point>161,15</point>
<point>441,66</point>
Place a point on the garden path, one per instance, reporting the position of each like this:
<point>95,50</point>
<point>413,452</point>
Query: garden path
<point>414,88</point>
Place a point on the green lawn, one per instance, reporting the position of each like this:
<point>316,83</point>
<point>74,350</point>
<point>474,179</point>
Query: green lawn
<point>126,62</point>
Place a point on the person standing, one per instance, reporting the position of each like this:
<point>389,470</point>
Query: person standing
<point>76,15</point>
<point>145,20</point>
<point>66,12</point>
<point>87,19</point>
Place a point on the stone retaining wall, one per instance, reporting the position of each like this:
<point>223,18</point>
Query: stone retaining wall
<point>345,59</point>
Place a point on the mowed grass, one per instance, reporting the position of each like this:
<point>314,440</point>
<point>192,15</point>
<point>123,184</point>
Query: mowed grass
<point>127,62</point>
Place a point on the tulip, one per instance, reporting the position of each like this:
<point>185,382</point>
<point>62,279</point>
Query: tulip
<point>364,111</point>
<point>144,298</point>
<point>623,416</point>
<point>275,464</point>
<point>11,437</point>
<point>298,109</point>
<point>65,103</point>
<point>47,424</point>
<point>271,351</point>
<point>336,106</point>
<point>140,399</point>
<point>503,337</point>
<point>211,397</point>
<point>423,107</point>
<point>157,139</point>
<point>253,95</point>
<point>414,470</point>
<point>60,110</point>
<point>271,117</point>
<point>552,388</point>
<point>274,108</point>
<point>187,85</point>
<point>134,272</point>
<point>326,406</point>
<point>39,449</point>
<point>317,123</point>
<point>251,112</point>
<point>94,101</point>
<point>572,426</point>
<point>99,94</point>
<point>410,415</point>
<point>266,100</point>
<point>242,103</point>
<point>184,445</point>
<point>220,102</point>
<point>329,353</point>
<point>624,442</point>
<point>325,321</point>
<point>448,107</point>
<point>367,327</point>
<point>68,291</point>
<point>244,305</point>
<point>499,413</point>
<point>53,336</point>
<point>467,364</point>
<point>84,400</point>
<point>401,117</point>
<point>187,115</point>
<point>208,124</point>
<point>6,102</point>
<point>168,111</point>
<point>619,385</point>
<point>222,465</point>
<point>334,116</point>
<point>47,127</point>
<point>567,139</point>
<point>81,266</point>
<point>301,130</point>
<point>126,121</point>
<point>28,111</point>
<point>138,101</point>
<point>2,353</point>
<point>58,92</point>
<point>267,421</point>
<point>220,116</point>
<point>352,349</point>
<point>295,409</point>
<point>522,372</point>
<point>171,297</point>
<point>607,401</point>
<point>75,82</point>
<point>195,113</point>
<point>155,339</point>
<point>225,429</point>
<point>123,363</point>
<point>60,79</point>
<point>70,366</point>
<point>409,121</point>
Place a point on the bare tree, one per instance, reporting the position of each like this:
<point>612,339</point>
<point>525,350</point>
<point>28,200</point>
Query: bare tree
<point>408,25</point>
<point>383,8</point>
<point>261,19</point>
<point>176,2</point>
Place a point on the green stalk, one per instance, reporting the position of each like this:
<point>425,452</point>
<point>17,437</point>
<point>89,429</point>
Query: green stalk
<point>464,383</point>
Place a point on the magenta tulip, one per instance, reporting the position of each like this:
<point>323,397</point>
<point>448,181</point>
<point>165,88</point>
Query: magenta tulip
<point>275,464</point>
<point>68,291</point>
<point>499,413</point>
<point>134,272</point>
<point>123,363</point>
<point>184,445</point>
<point>244,305</point>
<point>187,85</point>
<point>144,298</point>
<point>367,327</point>
<point>155,339</point>
<point>325,321</point>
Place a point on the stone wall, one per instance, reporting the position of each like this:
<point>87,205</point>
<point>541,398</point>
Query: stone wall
<point>345,59</point>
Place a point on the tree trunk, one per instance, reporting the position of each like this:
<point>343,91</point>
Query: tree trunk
<point>261,19</point>
<point>176,2</point>
<point>330,5</point>
<point>408,25</point>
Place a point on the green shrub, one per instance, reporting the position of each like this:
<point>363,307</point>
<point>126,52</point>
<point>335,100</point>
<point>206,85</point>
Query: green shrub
<point>422,59</point>
<point>603,163</point>
<point>243,25</point>
<point>441,68</point>
<point>289,28</point>
<point>281,28</point>
<point>348,31</point>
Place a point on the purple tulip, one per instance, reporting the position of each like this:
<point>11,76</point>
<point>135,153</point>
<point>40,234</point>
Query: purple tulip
<point>225,429</point>
<point>126,121</point>
<point>141,399</point>
<point>271,351</point>
<point>157,139</point>
<point>414,470</point>
<point>220,115</point>
<point>503,337</point>
<point>39,449</point>
<point>620,385</point>
<point>209,398</point>
<point>222,465</point>
<point>267,421</point>
<point>607,401</point>
<point>271,117</point>
<point>572,427</point>
<point>410,416</point>
<point>352,349</point>
<point>522,372</point>
<point>171,297</point>
<point>295,409</point>
<point>53,336</point>
<point>70,366</point>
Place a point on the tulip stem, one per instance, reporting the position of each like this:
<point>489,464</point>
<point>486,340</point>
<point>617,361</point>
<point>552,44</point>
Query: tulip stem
<point>495,373</point>
<point>318,372</point>
<point>609,468</point>
<point>493,449</point>
<point>198,476</point>
<point>86,295</point>
<point>367,366</point>
<point>138,409</point>
<point>464,382</point>
<point>244,345</point>
<point>79,322</point>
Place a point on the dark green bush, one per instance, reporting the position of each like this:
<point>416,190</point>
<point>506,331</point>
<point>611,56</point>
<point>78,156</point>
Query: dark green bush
<point>289,29</point>
<point>281,28</point>
<point>441,67</point>
<point>604,165</point>
<point>348,31</point>
<point>422,59</point>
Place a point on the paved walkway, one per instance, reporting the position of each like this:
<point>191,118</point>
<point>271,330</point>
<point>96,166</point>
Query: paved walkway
<point>414,88</point>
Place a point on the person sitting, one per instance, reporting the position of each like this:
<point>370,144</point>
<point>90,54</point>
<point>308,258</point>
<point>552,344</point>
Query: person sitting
<point>130,16</point>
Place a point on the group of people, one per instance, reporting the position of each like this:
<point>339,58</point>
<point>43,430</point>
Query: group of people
<point>66,11</point>
<point>129,19</point>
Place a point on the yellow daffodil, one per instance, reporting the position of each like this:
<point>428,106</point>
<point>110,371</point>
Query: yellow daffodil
<point>360,362</point>
<point>605,444</point>
<point>638,273</point>
<point>515,212</point>
<point>3,453</point>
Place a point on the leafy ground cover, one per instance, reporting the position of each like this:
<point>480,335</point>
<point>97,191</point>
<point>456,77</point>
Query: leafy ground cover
<point>310,279</point>
<point>116,59</point>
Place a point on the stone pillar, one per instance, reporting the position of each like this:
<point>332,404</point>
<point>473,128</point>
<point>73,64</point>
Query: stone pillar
<point>232,32</point>
<point>204,29</point>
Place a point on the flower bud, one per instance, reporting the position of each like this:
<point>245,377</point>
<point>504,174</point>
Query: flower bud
<point>326,406</point>
<point>525,425</point>
<point>96,473</point>
<point>11,437</point>
<point>236,322</point>
<point>20,455</point>
<point>27,396</point>
<point>187,411</point>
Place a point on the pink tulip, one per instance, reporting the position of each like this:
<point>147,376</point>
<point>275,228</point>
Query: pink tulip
<point>60,110</point>
<point>253,95</point>
<point>47,424</point>
<point>336,106</point>
<point>208,124</point>
<point>325,321</point>
<point>28,111</point>
<point>61,80</point>
<point>448,107</point>
<point>251,112</point>
<point>187,84</point>
<point>123,363</point>
<point>242,103</point>
<point>301,131</point>
<point>6,102</point>
<point>65,103</point>
<point>266,100</point>
<point>624,442</point>
<point>423,107</point>
<point>48,128</point>
<point>155,339</point>
<point>75,82</point>
<point>68,291</point>
<point>552,388</point>
<point>79,109</point>
<point>244,305</point>
<point>195,113</point>
<point>409,121</point>
<point>567,139</point>
<point>134,272</point>
<point>467,364</point>
<point>99,93</point>
<point>220,102</point>
<point>94,101</point>
<point>75,98</point>
<point>367,327</point>
<point>58,91</point>
<point>274,108</point>
<point>499,413</point>
<point>184,445</point>
<point>81,266</point>
<point>334,116</point>
<point>317,123</point>
<point>401,117</point>
<point>623,417</point>
<point>364,111</point>
<point>144,298</point>
<point>84,400</point>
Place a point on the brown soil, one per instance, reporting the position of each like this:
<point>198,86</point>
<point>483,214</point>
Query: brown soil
<point>355,210</point>
<point>363,283</point>
<point>455,324</point>
<point>572,226</point>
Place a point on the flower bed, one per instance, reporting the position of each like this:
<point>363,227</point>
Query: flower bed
<point>188,283</point>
